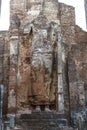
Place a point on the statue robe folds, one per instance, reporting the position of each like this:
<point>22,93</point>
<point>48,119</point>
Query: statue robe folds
<point>41,54</point>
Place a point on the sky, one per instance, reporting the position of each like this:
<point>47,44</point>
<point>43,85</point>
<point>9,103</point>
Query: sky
<point>79,11</point>
<point>4,18</point>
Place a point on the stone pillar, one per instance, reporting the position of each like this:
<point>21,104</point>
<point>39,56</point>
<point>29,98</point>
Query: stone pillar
<point>4,66</point>
<point>12,74</point>
<point>60,75</point>
<point>17,8</point>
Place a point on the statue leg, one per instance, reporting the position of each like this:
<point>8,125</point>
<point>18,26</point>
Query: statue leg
<point>37,109</point>
<point>47,109</point>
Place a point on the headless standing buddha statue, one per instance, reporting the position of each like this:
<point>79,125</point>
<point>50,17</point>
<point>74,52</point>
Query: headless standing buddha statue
<point>42,84</point>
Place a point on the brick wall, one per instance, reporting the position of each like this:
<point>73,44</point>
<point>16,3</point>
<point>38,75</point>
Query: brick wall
<point>73,51</point>
<point>67,16</point>
<point>18,94</point>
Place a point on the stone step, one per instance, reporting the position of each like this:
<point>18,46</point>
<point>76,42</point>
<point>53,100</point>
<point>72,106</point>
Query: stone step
<point>42,128</point>
<point>42,121</point>
<point>14,129</point>
<point>43,115</point>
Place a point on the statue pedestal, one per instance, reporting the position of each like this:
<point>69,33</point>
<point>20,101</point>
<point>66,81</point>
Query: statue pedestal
<point>42,121</point>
